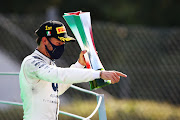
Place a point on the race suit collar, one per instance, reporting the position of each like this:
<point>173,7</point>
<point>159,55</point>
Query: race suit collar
<point>42,56</point>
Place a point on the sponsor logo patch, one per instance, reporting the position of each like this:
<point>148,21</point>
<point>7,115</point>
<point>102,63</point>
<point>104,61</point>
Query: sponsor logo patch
<point>60,30</point>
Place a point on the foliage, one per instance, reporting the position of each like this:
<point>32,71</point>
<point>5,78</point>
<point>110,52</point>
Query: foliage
<point>115,108</point>
<point>148,12</point>
<point>126,110</point>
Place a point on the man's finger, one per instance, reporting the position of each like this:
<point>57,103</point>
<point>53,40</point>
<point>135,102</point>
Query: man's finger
<point>117,77</point>
<point>84,51</point>
<point>121,74</point>
<point>113,80</point>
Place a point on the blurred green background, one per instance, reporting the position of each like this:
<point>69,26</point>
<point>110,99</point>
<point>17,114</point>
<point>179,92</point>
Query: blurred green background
<point>139,38</point>
<point>149,12</point>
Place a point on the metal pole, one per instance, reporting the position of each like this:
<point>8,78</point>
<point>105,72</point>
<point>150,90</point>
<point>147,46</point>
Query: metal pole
<point>102,108</point>
<point>60,112</point>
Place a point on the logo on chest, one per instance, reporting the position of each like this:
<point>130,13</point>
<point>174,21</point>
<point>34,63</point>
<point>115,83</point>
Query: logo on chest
<point>55,86</point>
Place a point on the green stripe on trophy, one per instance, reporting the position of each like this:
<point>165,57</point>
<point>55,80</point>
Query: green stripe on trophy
<point>81,29</point>
<point>75,23</point>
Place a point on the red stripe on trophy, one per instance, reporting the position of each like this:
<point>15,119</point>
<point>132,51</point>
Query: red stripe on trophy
<point>88,65</point>
<point>92,37</point>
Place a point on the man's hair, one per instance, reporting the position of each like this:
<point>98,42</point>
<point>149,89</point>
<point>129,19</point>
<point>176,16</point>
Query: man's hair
<point>38,40</point>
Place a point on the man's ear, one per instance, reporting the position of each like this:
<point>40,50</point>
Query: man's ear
<point>44,41</point>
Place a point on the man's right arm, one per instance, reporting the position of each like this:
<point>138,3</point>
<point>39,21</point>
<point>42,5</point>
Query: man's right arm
<point>40,70</point>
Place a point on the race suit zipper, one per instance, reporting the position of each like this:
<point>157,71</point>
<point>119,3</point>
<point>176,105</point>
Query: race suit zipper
<point>57,106</point>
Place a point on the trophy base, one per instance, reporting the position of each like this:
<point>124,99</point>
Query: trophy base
<point>98,83</point>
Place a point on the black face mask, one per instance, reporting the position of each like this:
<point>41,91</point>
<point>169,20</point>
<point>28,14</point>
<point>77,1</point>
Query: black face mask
<point>57,51</point>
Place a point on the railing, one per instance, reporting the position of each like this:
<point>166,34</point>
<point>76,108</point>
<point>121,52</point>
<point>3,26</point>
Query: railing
<point>100,103</point>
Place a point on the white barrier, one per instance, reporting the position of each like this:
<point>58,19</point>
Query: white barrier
<point>100,103</point>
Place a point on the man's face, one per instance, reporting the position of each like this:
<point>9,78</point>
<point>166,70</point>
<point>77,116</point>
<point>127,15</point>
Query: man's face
<point>54,41</point>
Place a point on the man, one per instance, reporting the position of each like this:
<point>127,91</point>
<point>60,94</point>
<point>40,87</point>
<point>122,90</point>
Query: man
<point>41,81</point>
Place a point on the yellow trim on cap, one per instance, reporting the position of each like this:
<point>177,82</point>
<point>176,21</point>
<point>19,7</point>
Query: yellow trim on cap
<point>65,39</point>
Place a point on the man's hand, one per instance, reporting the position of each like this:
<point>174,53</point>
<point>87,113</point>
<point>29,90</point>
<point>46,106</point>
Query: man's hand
<point>81,59</point>
<point>114,76</point>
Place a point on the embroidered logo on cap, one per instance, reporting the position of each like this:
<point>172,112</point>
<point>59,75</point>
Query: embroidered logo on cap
<point>60,30</point>
<point>48,28</point>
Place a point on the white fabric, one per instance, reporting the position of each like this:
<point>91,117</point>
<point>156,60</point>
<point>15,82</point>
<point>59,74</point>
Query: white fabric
<point>41,83</point>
